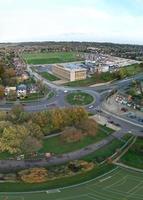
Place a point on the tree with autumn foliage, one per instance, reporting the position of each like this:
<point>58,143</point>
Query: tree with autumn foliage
<point>1,92</point>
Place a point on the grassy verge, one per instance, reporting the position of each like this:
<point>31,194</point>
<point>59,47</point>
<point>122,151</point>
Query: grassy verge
<point>49,77</point>
<point>56,146</point>
<point>79,98</point>
<point>63,182</point>
<point>107,151</point>
<point>134,157</point>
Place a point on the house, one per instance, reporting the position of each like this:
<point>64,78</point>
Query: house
<point>32,89</point>
<point>21,90</point>
<point>8,90</point>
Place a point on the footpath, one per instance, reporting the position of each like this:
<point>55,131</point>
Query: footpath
<point>13,165</point>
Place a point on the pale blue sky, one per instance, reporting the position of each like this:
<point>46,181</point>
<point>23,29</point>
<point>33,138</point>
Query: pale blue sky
<point>73,20</point>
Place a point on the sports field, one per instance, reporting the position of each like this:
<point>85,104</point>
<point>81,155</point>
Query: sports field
<point>51,57</point>
<point>119,184</point>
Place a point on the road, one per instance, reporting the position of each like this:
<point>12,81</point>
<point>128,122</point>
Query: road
<point>58,100</point>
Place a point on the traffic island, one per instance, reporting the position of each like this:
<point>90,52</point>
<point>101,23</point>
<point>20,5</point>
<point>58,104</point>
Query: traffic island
<point>79,98</point>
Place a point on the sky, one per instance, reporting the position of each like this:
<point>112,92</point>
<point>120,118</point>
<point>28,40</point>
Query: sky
<point>118,21</point>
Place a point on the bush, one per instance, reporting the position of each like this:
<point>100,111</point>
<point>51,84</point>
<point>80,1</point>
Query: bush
<point>80,165</point>
<point>71,134</point>
<point>34,175</point>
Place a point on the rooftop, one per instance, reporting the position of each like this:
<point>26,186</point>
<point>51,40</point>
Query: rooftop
<point>73,66</point>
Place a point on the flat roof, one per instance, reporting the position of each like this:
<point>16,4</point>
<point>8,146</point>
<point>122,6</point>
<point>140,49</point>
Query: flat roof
<point>73,67</point>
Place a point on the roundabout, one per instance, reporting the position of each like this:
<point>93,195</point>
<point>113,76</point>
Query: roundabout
<point>117,184</point>
<point>79,98</point>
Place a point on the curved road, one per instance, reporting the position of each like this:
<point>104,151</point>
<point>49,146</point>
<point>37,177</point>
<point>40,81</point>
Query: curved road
<point>59,101</point>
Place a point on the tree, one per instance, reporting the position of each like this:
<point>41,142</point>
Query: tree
<point>12,138</point>
<point>89,127</point>
<point>12,95</point>
<point>71,134</point>
<point>122,73</point>
<point>1,92</point>
<point>1,70</point>
<point>40,118</point>
<point>10,72</point>
<point>35,130</point>
<point>30,145</point>
<point>75,116</point>
<point>58,119</point>
<point>16,112</point>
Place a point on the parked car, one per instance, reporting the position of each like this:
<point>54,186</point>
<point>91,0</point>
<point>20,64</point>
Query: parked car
<point>124,109</point>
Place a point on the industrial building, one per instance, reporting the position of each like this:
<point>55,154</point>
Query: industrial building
<point>70,72</point>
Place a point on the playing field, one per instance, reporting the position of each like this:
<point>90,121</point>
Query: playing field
<point>119,184</point>
<point>51,57</point>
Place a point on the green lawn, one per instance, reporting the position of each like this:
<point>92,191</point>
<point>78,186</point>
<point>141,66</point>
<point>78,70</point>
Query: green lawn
<point>134,157</point>
<point>91,81</point>
<point>51,58</point>
<point>134,69</point>
<point>56,146</point>
<point>49,77</point>
<point>108,150</point>
<point>79,98</point>
<point>105,152</point>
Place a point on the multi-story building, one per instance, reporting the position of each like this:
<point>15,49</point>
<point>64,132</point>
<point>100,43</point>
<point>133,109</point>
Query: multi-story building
<point>71,72</point>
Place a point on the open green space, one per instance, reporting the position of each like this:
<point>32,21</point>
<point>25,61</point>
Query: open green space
<point>51,58</point>
<point>55,144</point>
<point>134,156</point>
<point>106,76</point>
<point>118,184</point>
<point>79,98</point>
<point>94,79</point>
<point>133,69</point>
<point>106,151</point>
<point>49,77</point>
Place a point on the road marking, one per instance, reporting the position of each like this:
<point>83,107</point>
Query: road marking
<point>53,191</point>
<point>102,180</point>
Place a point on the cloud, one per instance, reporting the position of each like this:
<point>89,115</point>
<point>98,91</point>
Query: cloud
<point>69,23</point>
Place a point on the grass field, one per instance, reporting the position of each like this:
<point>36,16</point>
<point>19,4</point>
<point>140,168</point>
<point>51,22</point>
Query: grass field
<point>105,152</point>
<point>118,184</point>
<point>79,98</point>
<point>49,77</point>
<point>134,157</point>
<point>51,58</point>
<point>134,69</point>
<point>55,145</point>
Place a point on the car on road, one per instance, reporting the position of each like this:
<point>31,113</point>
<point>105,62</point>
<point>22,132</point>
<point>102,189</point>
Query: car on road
<point>90,107</point>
